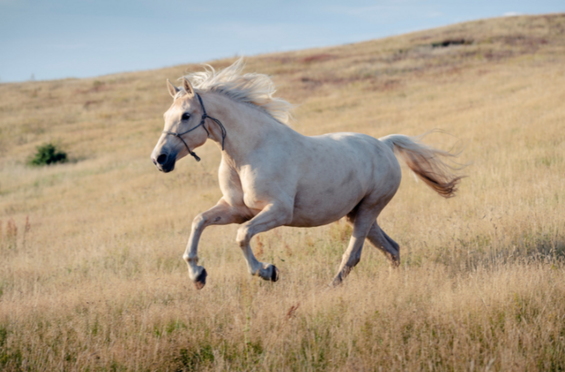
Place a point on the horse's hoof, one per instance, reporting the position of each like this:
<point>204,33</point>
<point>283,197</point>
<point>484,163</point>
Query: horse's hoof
<point>268,272</point>
<point>336,282</point>
<point>394,261</point>
<point>200,281</point>
<point>274,274</point>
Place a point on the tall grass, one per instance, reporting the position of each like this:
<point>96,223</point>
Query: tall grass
<point>92,276</point>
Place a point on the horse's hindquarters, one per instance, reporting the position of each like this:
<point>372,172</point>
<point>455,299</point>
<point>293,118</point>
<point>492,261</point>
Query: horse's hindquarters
<point>342,170</point>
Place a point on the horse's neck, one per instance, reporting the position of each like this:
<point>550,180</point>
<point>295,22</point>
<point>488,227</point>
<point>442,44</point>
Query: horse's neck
<point>247,127</point>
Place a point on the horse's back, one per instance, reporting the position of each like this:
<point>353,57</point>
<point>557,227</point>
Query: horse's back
<point>365,158</point>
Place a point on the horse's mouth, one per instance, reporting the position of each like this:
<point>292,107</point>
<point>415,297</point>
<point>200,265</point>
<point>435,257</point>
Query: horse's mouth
<point>167,169</point>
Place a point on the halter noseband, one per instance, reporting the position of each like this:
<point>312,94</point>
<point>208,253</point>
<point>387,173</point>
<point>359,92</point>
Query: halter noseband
<point>204,117</point>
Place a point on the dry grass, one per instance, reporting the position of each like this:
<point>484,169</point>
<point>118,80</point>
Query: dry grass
<point>94,279</point>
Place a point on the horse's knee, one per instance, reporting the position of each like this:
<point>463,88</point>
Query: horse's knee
<point>198,221</point>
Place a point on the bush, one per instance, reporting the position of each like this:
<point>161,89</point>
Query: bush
<point>48,154</point>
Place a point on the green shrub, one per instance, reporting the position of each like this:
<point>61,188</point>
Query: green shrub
<point>48,154</point>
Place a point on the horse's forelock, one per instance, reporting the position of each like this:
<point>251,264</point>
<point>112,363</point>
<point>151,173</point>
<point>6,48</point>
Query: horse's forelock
<point>180,93</point>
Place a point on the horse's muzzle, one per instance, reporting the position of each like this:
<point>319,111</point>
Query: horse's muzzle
<point>164,162</point>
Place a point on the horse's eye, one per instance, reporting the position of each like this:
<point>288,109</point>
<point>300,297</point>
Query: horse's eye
<point>185,116</point>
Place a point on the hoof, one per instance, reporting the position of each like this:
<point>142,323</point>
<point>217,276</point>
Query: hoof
<point>394,261</point>
<point>200,281</point>
<point>274,274</point>
<point>269,272</point>
<point>336,282</point>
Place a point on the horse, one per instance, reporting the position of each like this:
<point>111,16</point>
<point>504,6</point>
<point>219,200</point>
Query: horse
<point>270,175</point>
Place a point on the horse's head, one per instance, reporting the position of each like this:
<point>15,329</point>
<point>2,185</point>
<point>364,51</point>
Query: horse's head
<point>178,139</point>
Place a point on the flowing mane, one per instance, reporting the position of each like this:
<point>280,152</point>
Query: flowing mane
<point>254,88</point>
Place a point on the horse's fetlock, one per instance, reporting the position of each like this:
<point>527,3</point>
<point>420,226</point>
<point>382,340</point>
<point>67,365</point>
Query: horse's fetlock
<point>190,259</point>
<point>243,236</point>
<point>354,261</point>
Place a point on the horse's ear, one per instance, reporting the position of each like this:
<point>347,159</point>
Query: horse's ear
<point>187,87</point>
<point>172,89</point>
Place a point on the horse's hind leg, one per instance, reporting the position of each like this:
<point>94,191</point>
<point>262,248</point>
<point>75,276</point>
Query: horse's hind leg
<point>362,221</point>
<point>382,241</point>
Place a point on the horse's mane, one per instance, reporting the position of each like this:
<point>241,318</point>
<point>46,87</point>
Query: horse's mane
<point>254,88</point>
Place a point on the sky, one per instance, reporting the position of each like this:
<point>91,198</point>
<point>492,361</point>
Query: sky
<point>55,39</point>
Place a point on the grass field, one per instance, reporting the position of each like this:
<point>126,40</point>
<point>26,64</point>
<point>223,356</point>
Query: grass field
<point>92,278</point>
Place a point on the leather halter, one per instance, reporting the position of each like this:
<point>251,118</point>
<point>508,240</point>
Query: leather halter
<point>204,117</point>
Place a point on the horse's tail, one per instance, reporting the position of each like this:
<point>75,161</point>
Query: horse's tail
<point>426,163</point>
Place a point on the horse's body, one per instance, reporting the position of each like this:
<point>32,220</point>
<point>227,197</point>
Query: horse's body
<point>271,175</point>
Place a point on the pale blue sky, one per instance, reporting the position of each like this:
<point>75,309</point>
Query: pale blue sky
<point>80,38</point>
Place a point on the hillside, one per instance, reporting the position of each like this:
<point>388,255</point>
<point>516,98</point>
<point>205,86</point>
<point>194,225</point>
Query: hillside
<point>94,278</point>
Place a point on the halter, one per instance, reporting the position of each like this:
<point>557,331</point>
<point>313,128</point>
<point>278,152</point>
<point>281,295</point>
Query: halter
<point>204,117</point>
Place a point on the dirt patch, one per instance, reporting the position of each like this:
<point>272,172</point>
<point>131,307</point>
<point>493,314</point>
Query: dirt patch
<point>317,58</point>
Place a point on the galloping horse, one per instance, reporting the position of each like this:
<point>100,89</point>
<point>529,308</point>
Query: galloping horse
<point>271,175</point>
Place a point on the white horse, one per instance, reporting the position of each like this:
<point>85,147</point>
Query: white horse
<point>271,175</point>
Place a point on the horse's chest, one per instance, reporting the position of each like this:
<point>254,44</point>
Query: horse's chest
<point>241,190</point>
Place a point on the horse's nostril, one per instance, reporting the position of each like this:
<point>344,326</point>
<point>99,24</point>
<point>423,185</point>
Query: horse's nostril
<point>161,159</point>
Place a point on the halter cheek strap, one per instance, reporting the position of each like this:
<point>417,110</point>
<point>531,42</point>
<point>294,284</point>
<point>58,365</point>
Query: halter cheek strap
<point>202,121</point>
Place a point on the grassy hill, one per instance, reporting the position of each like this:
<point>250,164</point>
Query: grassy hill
<point>92,276</point>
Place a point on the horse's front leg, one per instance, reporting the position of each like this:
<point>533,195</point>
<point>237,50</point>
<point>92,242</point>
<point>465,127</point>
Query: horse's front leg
<point>221,214</point>
<point>273,215</point>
